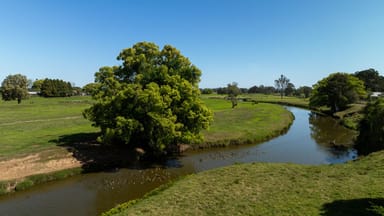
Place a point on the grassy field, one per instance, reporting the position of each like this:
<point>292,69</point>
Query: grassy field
<point>354,188</point>
<point>263,98</point>
<point>247,123</point>
<point>35,124</point>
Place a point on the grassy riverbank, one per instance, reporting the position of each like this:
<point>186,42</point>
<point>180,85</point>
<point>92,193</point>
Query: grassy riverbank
<point>245,124</point>
<point>43,136</point>
<point>354,188</point>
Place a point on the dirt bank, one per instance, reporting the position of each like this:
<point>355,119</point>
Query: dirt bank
<point>44,162</point>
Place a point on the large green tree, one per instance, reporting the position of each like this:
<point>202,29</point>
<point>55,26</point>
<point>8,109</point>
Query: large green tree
<point>14,87</point>
<point>337,91</point>
<point>371,136</point>
<point>373,81</point>
<point>281,84</point>
<point>151,101</point>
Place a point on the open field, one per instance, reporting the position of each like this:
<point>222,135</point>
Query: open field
<point>354,188</point>
<point>35,124</point>
<point>270,98</point>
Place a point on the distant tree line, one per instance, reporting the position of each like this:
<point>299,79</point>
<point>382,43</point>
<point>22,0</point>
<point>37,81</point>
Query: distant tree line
<point>56,88</point>
<point>290,90</point>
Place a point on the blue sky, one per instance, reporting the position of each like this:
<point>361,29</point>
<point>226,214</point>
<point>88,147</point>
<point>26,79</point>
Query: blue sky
<point>250,42</point>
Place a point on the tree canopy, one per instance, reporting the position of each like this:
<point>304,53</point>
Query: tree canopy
<point>90,88</point>
<point>14,87</point>
<point>233,92</point>
<point>281,84</point>
<point>55,88</point>
<point>372,80</point>
<point>151,101</point>
<point>337,91</point>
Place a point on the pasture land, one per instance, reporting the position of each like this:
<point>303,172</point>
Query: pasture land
<point>34,125</point>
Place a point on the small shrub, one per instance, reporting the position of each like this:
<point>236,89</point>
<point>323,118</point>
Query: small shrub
<point>24,185</point>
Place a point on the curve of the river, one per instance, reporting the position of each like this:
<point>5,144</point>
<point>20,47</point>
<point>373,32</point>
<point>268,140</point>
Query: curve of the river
<point>312,139</point>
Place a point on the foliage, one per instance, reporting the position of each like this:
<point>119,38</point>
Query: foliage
<point>371,137</point>
<point>337,91</point>
<point>281,84</point>
<point>14,87</point>
<point>36,85</point>
<point>262,89</point>
<point>24,185</point>
<point>151,101</point>
<point>91,88</point>
<point>233,92</point>
<point>290,89</point>
<point>372,80</point>
<point>354,188</point>
<point>206,91</point>
<point>304,91</point>
<point>56,88</point>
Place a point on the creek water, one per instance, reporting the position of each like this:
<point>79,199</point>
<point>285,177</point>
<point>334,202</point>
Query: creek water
<point>312,139</point>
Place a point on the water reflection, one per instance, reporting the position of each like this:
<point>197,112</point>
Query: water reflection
<point>328,132</point>
<point>331,137</point>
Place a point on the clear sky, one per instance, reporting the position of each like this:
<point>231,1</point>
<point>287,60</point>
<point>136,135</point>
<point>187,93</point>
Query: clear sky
<point>250,42</point>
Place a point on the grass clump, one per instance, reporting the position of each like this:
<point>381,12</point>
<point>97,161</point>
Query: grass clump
<point>354,188</point>
<point>30,181</point>
<point>23,185</point>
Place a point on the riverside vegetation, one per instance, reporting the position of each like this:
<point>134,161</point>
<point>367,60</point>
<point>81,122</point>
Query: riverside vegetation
<point>36,127</point>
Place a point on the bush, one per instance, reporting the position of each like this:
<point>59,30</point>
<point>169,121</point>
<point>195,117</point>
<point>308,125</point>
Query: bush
<point>24,185</point>
<point>371,137</point>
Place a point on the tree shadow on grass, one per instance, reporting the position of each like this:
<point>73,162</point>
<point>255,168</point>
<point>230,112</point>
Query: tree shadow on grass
<point>96,157</point>
<point>358,207</point>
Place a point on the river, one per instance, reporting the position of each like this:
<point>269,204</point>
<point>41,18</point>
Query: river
<point>312,139</point>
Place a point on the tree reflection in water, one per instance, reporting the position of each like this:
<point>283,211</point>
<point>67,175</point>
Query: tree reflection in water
<point>330,135</point>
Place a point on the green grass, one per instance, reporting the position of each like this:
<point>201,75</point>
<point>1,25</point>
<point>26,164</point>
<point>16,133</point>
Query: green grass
<point>247,123</point>
<point>351,117</point>
<point>30,181</point>
<point>267,98</point>
<point>292,101</point>
<point>354,188</point>
<point>33,125</point>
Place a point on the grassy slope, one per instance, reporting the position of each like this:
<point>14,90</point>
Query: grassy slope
<point>271,189</point>
<point>247,123</point>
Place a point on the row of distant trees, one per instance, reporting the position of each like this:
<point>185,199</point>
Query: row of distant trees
<point>290,90</point>
<point>372,80</point>
<point>18,87</point>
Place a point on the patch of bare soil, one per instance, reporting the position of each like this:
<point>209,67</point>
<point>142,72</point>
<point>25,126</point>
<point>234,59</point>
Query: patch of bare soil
<point>36,164</point>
